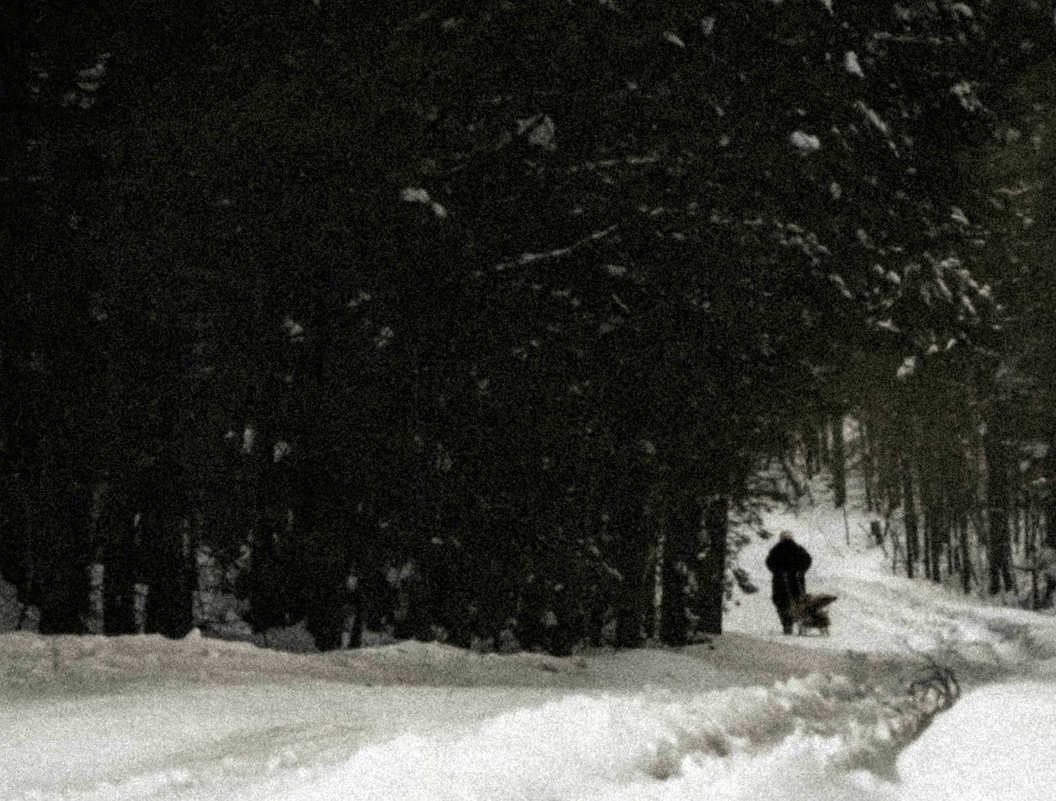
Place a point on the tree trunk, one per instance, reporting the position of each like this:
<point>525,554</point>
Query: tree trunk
<point>62,582</point>
<point>966,556</point>
<point>63,600</point>
<point>948,542</point>
<point>998,542</point>
<point>927,542</point>
<point>119,577</point>
<point>889,478</point>
<point>937,532</point>
<point>811,453</point>
<point>909,516</point>
<point>876,533</point>
<point>170,600</point>
<point>713,565</point>
<point>821,435</point>
<point>868,470</point>
<point>681,539</point>
<point>1050,498</point>
<point>61,607</point>
<point>930,506</point>
<point>633,595</point>
<point>839,462</point>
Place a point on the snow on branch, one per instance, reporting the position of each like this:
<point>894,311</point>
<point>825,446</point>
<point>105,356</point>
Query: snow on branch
<point>632,161</point>
<point>531,258</point>
<point>935,690</point>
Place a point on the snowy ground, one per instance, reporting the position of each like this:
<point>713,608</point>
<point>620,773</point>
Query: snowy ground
<point>757,716</point>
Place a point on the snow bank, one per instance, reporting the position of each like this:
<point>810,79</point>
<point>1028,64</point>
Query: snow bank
<point>742,743</point>
<point>32,662</point>
<point>168,741</point>
<point>996,743</point>
<point>820,738</point>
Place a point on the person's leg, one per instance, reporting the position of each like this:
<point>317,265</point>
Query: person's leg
<point>786,619</point>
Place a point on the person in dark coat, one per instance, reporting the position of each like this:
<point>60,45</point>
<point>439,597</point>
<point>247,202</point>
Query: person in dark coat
<point>789,562</point>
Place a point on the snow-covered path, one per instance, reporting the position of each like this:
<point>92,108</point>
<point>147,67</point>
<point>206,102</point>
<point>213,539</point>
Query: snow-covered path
<point>806,739</point>
<point>194,741</point>
<point>756,715</point>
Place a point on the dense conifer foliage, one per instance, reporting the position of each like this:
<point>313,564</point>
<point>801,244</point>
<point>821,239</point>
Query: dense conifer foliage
<point>467,320</point>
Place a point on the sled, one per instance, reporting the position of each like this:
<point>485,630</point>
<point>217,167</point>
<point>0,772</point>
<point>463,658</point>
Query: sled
<point>809,612</point>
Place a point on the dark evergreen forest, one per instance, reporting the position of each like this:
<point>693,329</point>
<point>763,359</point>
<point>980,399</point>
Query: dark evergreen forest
<point>466,320</point>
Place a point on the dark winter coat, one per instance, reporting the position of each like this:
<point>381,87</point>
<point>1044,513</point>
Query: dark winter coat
<point>789,562</point>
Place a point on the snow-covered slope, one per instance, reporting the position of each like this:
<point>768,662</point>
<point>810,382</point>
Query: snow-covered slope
<point>755,715</point>
<point>879,613</point>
